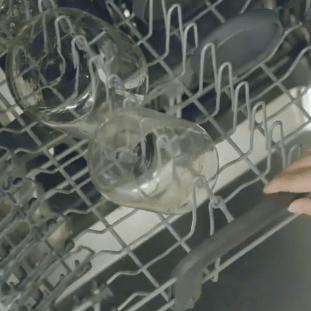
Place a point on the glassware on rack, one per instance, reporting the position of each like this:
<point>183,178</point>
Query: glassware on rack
<point>66,63</point>
<point>144,159</point>
<point>14,14</point>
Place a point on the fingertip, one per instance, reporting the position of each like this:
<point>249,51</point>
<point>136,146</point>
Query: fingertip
<point>301,206</point>
<point>269,189</point>
<point>266,190</point>
<point>274,186</point>
<point>294,209</point>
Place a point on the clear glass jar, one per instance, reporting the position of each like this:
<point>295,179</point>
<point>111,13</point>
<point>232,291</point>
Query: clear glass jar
<point>144,159</point>
<point>65,62</point>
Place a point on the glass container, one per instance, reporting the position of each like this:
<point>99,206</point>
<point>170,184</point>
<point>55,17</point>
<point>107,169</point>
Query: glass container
<point>144,159</point>
<point>64,64</point>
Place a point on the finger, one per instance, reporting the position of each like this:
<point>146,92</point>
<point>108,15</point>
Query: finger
<point>294,181</point>
<point>301,206</point>
<point>303,162</point>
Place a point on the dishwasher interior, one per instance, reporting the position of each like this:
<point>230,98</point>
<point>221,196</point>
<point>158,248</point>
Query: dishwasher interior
<point>63,246</point>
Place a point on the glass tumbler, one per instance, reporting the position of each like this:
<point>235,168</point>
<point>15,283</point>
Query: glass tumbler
<point>14,14</point>
<point>67,68</point>
<point>144,159</point>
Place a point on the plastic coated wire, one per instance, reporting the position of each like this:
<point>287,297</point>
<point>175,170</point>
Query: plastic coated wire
<point>71,184</point>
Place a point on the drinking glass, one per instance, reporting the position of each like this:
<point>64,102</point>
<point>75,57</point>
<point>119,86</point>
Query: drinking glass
<point>68,68</point>
<point>144,159</point>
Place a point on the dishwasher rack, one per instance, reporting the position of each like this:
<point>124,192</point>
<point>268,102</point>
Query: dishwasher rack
<point>51,261</point>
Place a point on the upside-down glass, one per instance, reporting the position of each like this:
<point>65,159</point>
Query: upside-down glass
<point>14,14</point>
<point>65,62</point>
<point>144,159</point>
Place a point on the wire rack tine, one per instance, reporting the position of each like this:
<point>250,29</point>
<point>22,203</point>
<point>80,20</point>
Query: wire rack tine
<point>295,149</point>
<point>71,183</point>
<point>156,259</point>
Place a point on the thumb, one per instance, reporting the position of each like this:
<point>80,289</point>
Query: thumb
<point>301,206</point>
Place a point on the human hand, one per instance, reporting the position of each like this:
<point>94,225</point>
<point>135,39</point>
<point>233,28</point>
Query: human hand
<point>296,178</point>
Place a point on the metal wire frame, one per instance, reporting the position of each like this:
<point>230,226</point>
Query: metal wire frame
<point>26,246</point>
<point>71,181</point>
